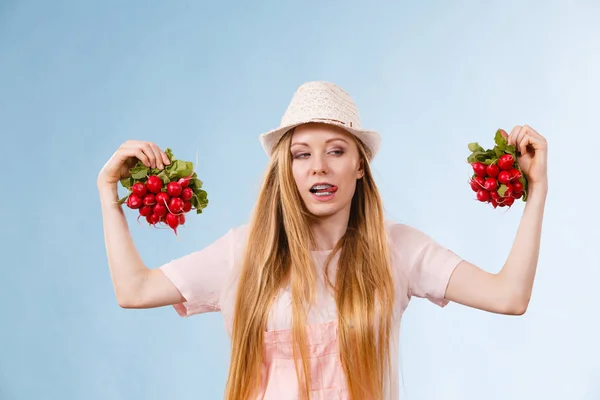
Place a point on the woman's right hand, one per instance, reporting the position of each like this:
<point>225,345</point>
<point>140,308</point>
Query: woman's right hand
<point>126,156</point>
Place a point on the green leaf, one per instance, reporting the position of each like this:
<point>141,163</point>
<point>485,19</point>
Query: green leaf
<point>500,140</point>
<point>476,156</point>
<point>510,149</point>
<point>499,153</point>
<point>139,171</point>
<point>127,182</point>
<point>169,154</point>
<point>164,177</point>
<point>124,199</point>
<point>475,147</point>
<point>179,169</point>
<point>502,190</point>
<point>195,184</point>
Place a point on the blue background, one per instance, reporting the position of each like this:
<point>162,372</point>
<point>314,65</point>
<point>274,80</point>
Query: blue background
<point>205,79</point>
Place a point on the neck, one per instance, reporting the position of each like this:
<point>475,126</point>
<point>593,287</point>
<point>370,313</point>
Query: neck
<point>330,229</point>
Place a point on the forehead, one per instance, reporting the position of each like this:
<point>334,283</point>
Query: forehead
<point>316,133</point>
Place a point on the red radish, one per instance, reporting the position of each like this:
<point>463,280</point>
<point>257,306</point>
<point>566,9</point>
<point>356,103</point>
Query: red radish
<point>509,201</point>
<point>517,186</point>
<point>134,201</point>
<point>506,162</point>
<point>187,194</point>
<point>492,170</point>
<point>174,189</point>
<point>504,177</point>
<point>479,169</point>
<point>494,201</point>
<point>517,195</point>
<point>154,184</point>
<point>163,198</point>
<point>477,183</point>
<point>491,184</point>
<point>184,182</point>
<point>139,189</point>
<point>145,211</point>
<point>494,195</point>
<point>153,219</point>
<point>483,195</point>
<point>167,197</point>
<point>176,205</point>
<point>515,174</point>
<point>172,221</point>
<point>509,190</point>
<point>149,199</point>
<point>160,209</point>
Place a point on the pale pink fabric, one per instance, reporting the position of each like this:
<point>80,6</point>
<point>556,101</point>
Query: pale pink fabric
<point>208,279</point>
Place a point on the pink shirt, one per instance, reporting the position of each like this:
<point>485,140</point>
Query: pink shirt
<point>208,279</point>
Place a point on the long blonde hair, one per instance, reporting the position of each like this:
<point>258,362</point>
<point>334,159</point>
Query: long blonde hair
<point>278,252</point>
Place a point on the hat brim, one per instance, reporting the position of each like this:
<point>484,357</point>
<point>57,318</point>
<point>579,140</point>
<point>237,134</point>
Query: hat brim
<point>370,138</point>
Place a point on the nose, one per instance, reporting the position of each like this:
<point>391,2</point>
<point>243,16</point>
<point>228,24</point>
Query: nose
<point>319,166</point>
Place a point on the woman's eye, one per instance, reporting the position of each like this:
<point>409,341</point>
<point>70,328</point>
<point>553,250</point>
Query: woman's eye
<point>300,155</point>
<point>337,152</point>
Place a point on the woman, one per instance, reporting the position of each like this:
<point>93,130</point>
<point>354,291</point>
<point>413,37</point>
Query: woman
<point>318,275</point>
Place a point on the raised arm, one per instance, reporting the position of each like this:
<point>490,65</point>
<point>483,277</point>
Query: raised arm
<point>135,285</point>
<point>509,291</point>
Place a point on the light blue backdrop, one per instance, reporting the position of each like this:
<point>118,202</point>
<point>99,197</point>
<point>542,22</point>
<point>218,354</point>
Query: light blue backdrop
<point>79,78</point>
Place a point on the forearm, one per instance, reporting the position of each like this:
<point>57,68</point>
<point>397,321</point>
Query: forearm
<point>519,270</point>
<point>126,266</point>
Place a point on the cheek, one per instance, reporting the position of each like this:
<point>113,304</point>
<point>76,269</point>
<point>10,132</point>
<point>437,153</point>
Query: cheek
<point>299,177</point>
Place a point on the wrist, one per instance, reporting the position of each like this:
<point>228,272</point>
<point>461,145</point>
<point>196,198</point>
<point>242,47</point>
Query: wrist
<point>538,192</point>
<point>538,187</point>
<point>108,192</point>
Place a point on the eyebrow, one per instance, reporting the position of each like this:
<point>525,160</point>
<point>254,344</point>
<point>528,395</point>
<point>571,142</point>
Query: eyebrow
<point>327,141</point>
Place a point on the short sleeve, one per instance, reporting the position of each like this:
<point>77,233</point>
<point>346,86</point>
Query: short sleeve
<point>201,276</point>
<point>427,264</point>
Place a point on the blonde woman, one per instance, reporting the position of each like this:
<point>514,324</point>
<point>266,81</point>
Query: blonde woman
<point>313,289</point>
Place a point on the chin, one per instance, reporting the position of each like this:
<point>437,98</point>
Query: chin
<point>324,210</point>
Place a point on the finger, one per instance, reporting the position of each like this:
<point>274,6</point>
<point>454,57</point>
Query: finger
<point>535,134</point>
<point>157,155</point>
<point>165,158</point>
<point>519,137</point>
<point>137,152</point>
<point>513,135</point>
<point>147,149</point>
<point>131,150</point>
<point>524,141</point>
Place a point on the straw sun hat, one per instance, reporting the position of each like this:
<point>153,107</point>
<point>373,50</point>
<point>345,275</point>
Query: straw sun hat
<point>322,102</point>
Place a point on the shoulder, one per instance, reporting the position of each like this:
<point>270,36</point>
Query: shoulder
<point>403,236</point>
<point>237,238</point>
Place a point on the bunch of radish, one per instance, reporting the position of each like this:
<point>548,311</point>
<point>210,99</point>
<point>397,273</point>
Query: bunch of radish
<point>164,196</point>
<point>497,178</point>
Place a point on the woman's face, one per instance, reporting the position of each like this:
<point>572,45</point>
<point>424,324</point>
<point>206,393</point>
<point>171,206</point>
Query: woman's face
<point>325,165</point>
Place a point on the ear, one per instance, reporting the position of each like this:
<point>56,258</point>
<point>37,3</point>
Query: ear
<point>361,170</point>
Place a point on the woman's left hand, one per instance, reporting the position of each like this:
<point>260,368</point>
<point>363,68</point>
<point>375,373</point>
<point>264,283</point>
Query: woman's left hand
<point>533,147</point>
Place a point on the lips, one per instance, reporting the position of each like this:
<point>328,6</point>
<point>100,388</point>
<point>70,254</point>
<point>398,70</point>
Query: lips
<point>323,187</point>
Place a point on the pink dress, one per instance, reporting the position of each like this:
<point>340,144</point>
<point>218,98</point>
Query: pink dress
<point>208,278</point>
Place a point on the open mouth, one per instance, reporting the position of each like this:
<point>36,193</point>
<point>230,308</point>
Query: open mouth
<point>323,189</point>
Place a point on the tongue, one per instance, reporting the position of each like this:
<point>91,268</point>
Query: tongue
<point>329,189</point>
